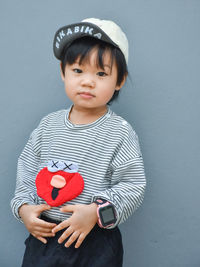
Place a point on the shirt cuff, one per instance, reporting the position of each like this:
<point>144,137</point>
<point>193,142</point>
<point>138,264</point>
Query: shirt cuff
<point>17,203</point>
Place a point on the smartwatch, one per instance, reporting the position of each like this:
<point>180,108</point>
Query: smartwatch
<point>106,213</point>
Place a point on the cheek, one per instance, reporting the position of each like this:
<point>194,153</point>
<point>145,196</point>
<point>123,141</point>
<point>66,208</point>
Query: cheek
<point>112,88</point>
<point>109,86</point>
<point>107,94</point>
<point>69,92</point>
<point>70,83</point>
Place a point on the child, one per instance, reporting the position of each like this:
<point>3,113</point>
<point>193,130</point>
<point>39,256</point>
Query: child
<point>81,173</point>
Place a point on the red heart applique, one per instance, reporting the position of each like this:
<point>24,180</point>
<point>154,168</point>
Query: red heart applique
<point>58,187</point>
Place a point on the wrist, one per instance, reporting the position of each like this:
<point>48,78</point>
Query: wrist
<point>94,211</point>
<point>106,213</point>
<point>21,209</point>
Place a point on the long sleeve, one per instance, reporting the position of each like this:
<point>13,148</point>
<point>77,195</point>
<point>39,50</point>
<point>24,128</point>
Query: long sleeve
<point>128,180</point>
<point>27,167</point>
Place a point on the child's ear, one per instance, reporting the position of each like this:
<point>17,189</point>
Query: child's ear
<point>118,87</point>
<point>61,72</point>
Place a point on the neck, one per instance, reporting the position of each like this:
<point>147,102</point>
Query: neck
<point>79,115</point>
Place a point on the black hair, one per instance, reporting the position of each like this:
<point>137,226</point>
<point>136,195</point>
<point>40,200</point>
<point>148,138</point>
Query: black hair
<point>81,48</point>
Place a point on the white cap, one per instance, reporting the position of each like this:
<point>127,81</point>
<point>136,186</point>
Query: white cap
<point>114,32</point>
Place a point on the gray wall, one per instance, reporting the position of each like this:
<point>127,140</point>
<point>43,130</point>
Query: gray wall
<point>161,102</point>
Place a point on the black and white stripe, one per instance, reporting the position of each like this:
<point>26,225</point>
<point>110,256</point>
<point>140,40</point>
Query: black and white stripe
<point>107,152</point>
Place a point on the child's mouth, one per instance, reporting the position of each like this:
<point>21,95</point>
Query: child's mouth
<point>86,95</point>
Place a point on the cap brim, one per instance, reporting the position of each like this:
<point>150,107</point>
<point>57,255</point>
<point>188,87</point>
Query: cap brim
<point>67,34</point>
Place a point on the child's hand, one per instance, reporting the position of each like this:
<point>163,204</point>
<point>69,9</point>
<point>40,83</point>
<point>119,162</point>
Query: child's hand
<point>37,227</point>
<point>81,222</point>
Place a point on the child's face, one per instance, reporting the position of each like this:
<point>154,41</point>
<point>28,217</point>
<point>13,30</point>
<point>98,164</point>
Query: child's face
<point>87,78</point>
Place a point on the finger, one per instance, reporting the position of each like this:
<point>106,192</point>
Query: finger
<point>65,235</point>
<point>42,234</point>
<point>45,224</point>
<point>42,207</point>
<point>80,240</point>
<point>61,226</point>
<point>72,238</point>
<point>68,208</point>
<point>43,229</point>
<point>40,238</point>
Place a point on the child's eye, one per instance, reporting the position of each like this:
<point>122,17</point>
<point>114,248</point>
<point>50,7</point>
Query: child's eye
<point>101,74</point>
<point>77,70</point>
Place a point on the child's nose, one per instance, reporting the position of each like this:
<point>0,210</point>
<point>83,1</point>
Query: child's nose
<point>88,81</point>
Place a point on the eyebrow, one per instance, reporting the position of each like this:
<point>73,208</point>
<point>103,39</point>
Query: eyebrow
<point>77,62</point>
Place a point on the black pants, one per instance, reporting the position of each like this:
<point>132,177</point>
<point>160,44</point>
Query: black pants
<point>101,248</point>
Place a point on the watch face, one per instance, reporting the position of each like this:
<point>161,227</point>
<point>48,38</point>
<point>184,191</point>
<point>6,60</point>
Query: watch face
<point>107,215</point>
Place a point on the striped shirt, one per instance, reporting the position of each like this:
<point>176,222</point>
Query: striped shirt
<point>108,155</point>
